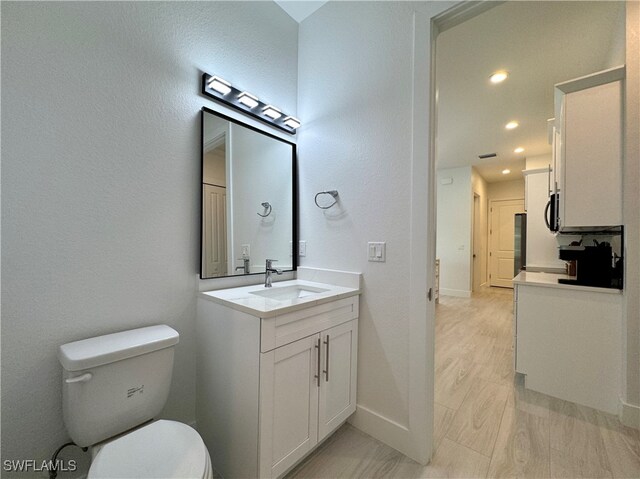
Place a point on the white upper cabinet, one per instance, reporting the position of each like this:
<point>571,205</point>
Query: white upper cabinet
<point>588,150</point>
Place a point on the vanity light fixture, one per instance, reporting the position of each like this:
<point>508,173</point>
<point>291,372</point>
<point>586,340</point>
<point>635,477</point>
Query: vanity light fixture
<point>272,112</point>
<point>292,122</point>
<point>248,99</point>
<point>506,172</point>
<point>518,150</point>
<point>511,125</point>
<point>224,92</point>
<point>498,77</point>
<point>221,86</point>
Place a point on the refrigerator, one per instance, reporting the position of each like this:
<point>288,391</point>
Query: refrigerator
<point>520,243</point>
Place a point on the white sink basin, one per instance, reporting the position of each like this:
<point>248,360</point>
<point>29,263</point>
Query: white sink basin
<point>287,293</point>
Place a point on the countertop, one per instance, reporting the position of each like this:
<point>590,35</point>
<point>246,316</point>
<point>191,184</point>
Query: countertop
<point>242,299</point>
<point>550,280</point>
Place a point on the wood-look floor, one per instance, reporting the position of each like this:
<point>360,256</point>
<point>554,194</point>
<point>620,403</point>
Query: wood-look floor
<point>486,423</point>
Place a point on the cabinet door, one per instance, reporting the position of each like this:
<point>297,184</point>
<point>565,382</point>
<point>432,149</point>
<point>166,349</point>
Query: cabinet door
<point>592,157</point>
<point>338,382</point>
<point>288,404</point>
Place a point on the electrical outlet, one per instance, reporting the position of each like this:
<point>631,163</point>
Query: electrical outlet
<point>302,248</point>
<point>246,250</point>
<point>377,252</point>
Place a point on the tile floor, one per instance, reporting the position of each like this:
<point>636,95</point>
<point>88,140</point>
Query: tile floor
<point>486,423</point>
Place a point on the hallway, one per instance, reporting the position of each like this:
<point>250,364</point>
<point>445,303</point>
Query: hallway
<point>486,424</point>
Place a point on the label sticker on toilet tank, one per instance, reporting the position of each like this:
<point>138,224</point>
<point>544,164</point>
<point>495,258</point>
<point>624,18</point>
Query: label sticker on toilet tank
<point>136,390</point>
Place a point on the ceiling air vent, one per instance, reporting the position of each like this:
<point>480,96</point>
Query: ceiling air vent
<point>487,155</point>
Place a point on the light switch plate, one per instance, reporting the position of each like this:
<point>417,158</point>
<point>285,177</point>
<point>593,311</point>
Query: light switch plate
<point>377,251</point>
<point>302,248</point>
<point>246,250</point>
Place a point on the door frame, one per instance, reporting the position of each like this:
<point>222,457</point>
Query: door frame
<point>476,240</point>
<point>417,440</point>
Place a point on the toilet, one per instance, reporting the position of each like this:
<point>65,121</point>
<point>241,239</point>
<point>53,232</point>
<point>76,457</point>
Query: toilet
<point>114,386</point>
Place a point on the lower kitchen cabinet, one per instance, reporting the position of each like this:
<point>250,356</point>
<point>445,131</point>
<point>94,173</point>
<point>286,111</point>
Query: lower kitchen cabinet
<point>568,341</point>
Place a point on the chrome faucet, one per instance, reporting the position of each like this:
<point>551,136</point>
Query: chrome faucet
<point>268,269</point>
<point>245,267</point>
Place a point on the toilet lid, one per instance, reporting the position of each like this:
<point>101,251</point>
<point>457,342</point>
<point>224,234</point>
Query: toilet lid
<point>161,450</point>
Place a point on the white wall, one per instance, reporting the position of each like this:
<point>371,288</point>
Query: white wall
<point>502,190</point>
<point>100,183</point>
<point>631,206</point>
<point>481,188</point>
<point>356,97</point>
<point>214,169</point>
<point>539,161</point>
<point>454,234</point>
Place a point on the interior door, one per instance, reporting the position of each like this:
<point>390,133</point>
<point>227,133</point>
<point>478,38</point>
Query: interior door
<point>501,232</point>
<point>288,404</point>
<point>214,231</point>
<point>338,382</point>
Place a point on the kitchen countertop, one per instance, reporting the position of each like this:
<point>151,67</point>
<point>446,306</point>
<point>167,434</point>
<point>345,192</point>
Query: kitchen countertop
<point>242,299</point>
<point>550,280</point>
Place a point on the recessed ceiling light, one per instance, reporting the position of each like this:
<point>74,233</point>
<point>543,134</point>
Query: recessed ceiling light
<point>248,99</point>
<point>511,125</point>
<point>518,150</point>
<point>221,86</point>
<point>506,172</point>
<point>498,77</point>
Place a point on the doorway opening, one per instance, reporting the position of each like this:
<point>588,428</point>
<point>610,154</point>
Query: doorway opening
<point>480,188</point>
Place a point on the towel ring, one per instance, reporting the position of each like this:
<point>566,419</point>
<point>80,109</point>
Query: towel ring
<point>333,193</point>
<point>266,207</point>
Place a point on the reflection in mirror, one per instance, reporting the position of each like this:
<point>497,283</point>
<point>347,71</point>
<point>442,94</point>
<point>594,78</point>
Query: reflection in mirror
<point>248,188</point>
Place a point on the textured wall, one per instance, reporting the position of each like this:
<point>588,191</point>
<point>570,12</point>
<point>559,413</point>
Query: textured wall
<point>356,99</point>
<point>503,190</point>
<point>480,187</point>
<point>100,179</point>
<point>454,235</point>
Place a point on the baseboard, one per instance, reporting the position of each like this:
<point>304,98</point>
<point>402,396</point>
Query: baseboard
<point>392,433</point>
<point>460,293</point>
<point>629,414</point>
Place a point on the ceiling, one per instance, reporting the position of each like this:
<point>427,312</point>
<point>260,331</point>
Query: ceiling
<point>301,9</point>
<point>539,44</point>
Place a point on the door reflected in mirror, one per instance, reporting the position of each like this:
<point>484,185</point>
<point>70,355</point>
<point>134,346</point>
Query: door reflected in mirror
<point>248,191</point>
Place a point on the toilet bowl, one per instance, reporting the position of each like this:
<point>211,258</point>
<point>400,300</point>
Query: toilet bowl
<point>161,450</point>
<point>114,387</point>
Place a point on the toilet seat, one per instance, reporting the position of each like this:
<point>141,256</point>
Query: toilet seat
<point>161,450</point>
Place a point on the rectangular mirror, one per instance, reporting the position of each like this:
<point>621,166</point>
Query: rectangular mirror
<point>248,199</point>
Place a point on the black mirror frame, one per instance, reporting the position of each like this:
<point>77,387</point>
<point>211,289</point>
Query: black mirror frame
<point>294,188</point>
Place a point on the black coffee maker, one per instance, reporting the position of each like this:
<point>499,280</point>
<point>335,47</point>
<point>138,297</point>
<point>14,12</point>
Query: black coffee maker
<point>594,264</point>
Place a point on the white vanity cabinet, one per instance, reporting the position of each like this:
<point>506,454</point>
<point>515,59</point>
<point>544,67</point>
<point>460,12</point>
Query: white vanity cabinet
<point>270,388</point>
<point>588,150</point>
<point>307,390</point>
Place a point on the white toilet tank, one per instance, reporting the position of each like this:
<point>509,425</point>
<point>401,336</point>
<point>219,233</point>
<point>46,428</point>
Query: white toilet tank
<point>115,382</point>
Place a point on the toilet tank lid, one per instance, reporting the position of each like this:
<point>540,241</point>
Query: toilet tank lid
<point>92,352</point>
